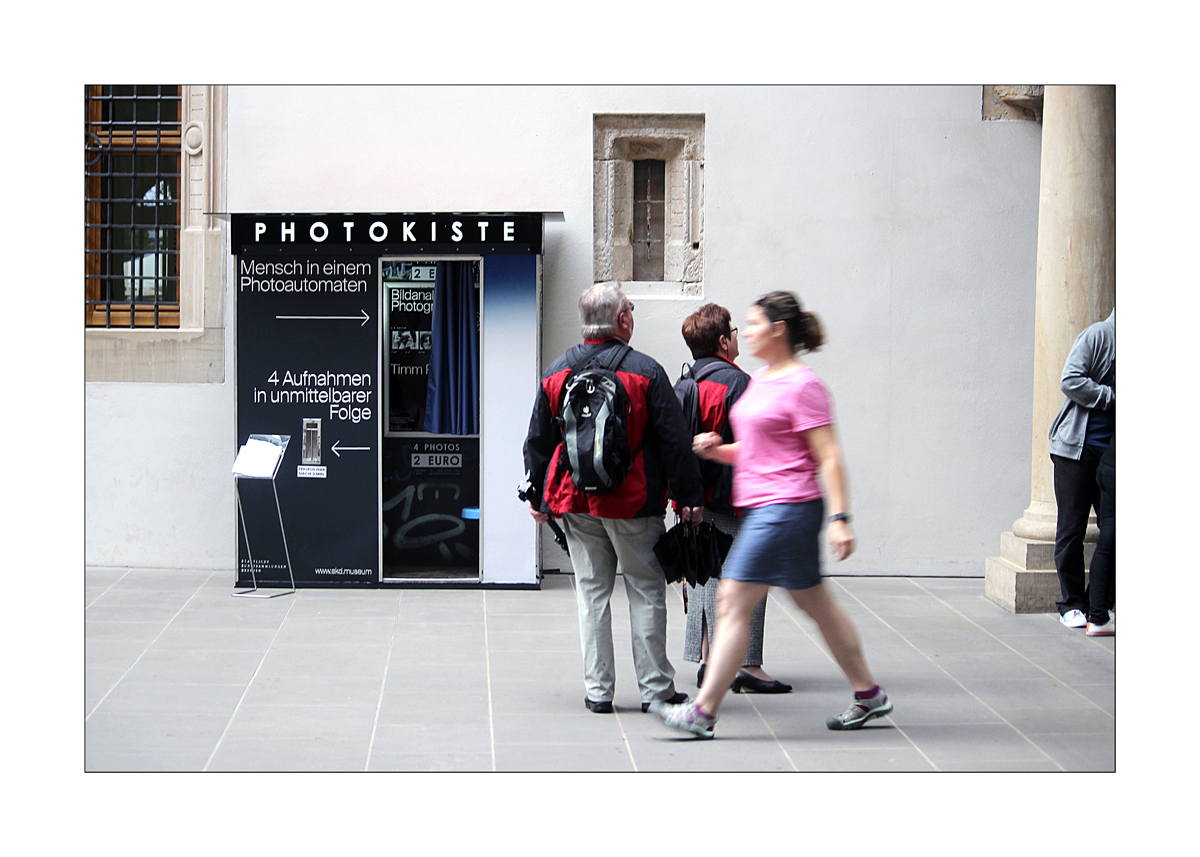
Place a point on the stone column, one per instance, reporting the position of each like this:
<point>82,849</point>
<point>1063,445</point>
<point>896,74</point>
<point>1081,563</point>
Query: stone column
<point>1076,286</point>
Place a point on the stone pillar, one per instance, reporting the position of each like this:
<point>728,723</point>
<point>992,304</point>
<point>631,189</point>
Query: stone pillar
<point>1076,286</point>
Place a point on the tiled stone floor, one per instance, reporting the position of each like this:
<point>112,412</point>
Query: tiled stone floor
<point>180,676</point>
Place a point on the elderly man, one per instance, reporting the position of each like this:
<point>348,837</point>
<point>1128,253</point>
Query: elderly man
<point>614,529</point>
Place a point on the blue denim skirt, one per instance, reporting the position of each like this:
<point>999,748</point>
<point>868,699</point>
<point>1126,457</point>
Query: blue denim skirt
<point>778,545</point>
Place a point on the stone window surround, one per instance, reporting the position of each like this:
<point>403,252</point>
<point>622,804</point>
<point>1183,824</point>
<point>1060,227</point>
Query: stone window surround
<point>677,139</point>
<point>195,351</point>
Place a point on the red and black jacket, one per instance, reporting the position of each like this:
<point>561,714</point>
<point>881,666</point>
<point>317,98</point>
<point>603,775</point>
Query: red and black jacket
<point>718,391</point>
<point>663,463</point>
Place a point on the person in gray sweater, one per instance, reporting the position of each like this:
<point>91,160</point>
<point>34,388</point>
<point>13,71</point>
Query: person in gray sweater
<point>1079,436</point>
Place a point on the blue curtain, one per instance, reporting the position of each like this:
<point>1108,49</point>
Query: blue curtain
<point>452,399</point>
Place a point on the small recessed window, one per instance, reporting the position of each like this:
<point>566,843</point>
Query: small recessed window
<point>648,224</point>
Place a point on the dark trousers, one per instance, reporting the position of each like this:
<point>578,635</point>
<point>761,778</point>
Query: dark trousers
<point>1102,589</point>
<point>1076,493</point>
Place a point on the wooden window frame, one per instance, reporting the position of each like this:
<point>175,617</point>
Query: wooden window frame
<point>194,352</point>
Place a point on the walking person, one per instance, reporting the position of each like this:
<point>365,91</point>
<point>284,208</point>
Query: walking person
<point>612,529</point>
<point>784,431</point>
<point>713,342</point>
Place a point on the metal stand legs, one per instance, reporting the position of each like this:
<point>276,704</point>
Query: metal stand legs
<point>255,592</point>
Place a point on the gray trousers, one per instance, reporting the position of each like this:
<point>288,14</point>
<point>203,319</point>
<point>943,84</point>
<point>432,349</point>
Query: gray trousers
<point>702,608</point>
<point>600,548</point>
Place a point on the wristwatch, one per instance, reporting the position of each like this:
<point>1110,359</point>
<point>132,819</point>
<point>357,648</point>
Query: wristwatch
<point>840,516</point>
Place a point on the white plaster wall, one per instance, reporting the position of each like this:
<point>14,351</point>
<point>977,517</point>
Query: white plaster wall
<point>157,489</point>
<point>903,219</point>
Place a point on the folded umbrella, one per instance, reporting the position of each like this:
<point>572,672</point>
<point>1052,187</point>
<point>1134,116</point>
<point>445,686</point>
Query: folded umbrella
<point>692,553</point>
<point>712,546</point>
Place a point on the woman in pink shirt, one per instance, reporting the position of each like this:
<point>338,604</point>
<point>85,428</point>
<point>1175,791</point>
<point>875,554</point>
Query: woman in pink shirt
<point>784,429</point>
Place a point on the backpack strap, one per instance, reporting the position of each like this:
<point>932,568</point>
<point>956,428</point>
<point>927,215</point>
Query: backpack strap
<point>583,357</point>
<point>710,369</point>
<point>611,360</point>
<point>614,358</point>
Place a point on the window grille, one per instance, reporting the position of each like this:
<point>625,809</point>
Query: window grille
<point>131,205</point>
<point>649,219</point>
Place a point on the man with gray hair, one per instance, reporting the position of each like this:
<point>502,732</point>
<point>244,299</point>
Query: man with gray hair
<point>613,529</point>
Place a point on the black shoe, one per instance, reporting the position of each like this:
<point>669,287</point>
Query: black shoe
<point>678,699</point>
<point>700,676</point>
<point>600,707</point>
<point>746,683</point>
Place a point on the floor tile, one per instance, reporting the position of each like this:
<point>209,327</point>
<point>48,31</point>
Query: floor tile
<point>271,690</point>
<point>861,760</point>
<point>275,754</point>
<point>970,744</point>
<point>445,737</point>
<point>535,757</point>
<point>1079,751</point>
<point>133,696</point>
<point>300,722</point>
<point>431,762</point>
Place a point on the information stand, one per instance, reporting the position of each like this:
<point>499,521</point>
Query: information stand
<point>259,458</point>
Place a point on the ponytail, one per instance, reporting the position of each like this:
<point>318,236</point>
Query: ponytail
<point>804,329</point>
<point>814,332</point>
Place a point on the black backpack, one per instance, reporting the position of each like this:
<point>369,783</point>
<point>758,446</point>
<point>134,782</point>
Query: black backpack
<point>687,391</point>
<point>593,416</point>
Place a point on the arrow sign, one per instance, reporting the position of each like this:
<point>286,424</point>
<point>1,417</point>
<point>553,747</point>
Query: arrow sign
<point>338,451</point>
<point>365,318</point>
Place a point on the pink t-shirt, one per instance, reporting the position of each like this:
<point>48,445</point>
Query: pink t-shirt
<point>774,464</point>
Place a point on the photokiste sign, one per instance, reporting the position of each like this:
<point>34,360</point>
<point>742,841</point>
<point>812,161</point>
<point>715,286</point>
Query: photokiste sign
<point>519,232</point>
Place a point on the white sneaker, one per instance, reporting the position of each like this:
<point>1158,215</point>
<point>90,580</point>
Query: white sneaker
<point>1074,619</point>
<point>1108,629</point>
<point>685,718</point>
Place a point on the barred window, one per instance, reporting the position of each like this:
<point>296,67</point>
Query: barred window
<point>649,219</point>
<point>131,205</point>
<point>648,202</point>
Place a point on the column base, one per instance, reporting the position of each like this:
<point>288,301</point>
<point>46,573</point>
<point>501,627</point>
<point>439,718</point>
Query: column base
<point>1023,578</point>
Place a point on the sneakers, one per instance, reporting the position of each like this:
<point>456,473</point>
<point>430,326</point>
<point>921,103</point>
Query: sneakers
<point>685,718</point>
<point>860,711</point>
<point>1108,629</point>
<point>1074,619</point>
